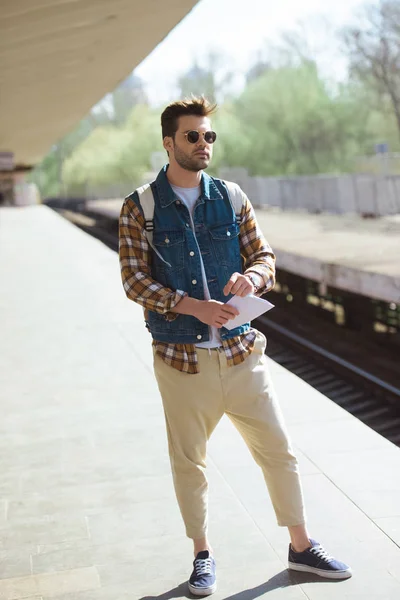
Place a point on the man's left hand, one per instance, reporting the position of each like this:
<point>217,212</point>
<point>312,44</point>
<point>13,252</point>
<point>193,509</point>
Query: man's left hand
<point>240,285</point>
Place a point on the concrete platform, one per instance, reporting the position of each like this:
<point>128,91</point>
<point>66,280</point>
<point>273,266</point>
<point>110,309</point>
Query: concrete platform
<point>87,508</point>
<point>343,251</point>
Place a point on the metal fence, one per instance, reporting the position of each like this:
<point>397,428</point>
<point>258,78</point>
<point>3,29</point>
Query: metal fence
<point>363,194</point>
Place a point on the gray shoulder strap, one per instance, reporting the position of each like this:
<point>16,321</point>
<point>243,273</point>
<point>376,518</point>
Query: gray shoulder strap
<point>146,200</point>
<point>236,198</point>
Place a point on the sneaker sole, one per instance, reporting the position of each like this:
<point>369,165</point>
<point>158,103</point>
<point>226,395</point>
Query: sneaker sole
<point>202,592</point>
<point>321,572</point>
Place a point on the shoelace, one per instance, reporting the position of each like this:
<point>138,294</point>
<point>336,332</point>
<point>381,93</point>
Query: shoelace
<point>202,566</point>
<point>321,553</point>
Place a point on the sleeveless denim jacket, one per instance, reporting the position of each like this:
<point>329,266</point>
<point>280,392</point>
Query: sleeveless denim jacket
<point>217,235</point>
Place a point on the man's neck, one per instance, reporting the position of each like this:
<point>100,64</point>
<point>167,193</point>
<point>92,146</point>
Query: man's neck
<point>183,178</point>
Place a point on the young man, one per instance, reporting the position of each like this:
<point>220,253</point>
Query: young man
<point>201,254</point>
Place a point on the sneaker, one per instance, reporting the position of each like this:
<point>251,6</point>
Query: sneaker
<point>203,581</point>
<point>317,560</point>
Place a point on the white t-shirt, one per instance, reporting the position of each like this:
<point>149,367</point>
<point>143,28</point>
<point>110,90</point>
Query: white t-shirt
<point>189,197</point>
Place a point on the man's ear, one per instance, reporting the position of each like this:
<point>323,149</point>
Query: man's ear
<point>168,144</point>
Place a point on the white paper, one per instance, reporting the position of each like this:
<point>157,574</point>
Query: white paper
<point>250,307</point>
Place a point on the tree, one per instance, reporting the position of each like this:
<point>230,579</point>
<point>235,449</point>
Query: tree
<point>197,82</point>
<point>373,48</point>
<point>58,175</point>
<point>48,173</point>
<point>256,70</point>
<point>297,125</point>
<point>234,141</point>
<point>127,95</point>
<point>211,78</point>
<point>112,154</point>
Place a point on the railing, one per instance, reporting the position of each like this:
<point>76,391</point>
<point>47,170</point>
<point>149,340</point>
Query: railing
<point>363,194</point>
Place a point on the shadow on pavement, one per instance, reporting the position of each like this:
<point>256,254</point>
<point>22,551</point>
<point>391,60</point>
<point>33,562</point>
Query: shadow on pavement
<point>181,591</point>
<point>280,580</point>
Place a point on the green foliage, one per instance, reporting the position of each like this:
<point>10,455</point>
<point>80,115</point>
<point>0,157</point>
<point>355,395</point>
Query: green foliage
<point>234,141</point>
<point>296,124</point>
<point>111,154</point>
<point>47,175</point>
<point>125,97</point>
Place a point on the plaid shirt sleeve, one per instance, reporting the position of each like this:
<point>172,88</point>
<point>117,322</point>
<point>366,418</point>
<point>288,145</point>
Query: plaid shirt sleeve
<point>255,250</point>
<point>135,260</point>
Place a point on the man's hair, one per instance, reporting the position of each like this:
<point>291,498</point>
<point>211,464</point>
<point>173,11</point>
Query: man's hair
<point>198,106</point>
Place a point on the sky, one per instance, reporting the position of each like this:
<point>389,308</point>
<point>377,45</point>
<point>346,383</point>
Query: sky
<point>241,30</point>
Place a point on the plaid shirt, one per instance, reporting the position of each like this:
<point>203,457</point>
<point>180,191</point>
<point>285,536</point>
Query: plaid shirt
<point>139,286</point>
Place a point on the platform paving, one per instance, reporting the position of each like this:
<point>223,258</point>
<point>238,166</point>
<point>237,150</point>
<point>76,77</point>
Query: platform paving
<point>87,508</point>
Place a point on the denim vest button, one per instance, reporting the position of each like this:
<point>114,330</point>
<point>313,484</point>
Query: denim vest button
<point>187,224</point>
<point>166,240</point>
<point>228,233</point>
<point>178,202</point>
<point>194,281</point>
<point>191,253</point>
<point>199,337</point>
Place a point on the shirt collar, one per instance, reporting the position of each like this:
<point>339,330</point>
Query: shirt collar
<point>209,190</point>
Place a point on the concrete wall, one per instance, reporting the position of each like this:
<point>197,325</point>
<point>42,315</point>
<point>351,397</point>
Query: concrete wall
<point>361,194</point>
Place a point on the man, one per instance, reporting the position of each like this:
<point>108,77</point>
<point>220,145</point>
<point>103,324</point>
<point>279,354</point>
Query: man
<point>199,256</point>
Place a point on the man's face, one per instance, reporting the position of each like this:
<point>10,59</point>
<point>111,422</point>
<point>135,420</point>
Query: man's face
<point>192,157</point>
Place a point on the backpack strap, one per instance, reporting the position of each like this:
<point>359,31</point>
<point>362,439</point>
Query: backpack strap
<point>146,200</point>
<point>236,199</point>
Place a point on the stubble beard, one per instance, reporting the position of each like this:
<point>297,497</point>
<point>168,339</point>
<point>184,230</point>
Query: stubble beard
<point>190,163</point>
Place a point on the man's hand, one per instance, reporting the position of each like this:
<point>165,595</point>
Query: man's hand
<point>214,313</point>
<point>240,285</point>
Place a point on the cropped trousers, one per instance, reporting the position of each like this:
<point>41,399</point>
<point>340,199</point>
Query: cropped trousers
<point>193,406</point>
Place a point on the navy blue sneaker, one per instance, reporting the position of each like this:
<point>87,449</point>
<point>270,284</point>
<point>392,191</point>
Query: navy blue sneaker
<point>203,580</point>
<point>317,560</point>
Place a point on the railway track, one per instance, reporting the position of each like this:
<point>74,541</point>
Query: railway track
<point>372,400</point>
<point>365,395</point>
<point>102,228</point>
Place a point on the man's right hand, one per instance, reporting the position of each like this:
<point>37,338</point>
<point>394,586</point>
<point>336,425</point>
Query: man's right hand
<point>214,313</point>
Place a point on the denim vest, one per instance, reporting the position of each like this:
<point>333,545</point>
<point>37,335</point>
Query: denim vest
<point>217,235</point>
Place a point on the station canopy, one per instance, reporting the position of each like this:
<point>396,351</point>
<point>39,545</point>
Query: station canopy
<point>59,57</point>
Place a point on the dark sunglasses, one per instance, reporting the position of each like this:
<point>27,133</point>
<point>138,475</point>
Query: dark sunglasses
<point>194,136</point>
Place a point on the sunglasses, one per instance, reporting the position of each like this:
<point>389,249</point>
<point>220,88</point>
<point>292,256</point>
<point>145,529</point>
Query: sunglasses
<point>194,136</point>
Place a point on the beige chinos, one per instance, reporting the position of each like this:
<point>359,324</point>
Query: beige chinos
<point>193,406</point>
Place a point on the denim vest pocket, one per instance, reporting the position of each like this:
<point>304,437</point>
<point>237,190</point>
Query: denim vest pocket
<point>226,244</point>
<point>170,250</point>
